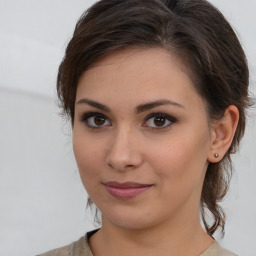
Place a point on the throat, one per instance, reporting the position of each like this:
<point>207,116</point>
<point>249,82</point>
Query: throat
<point>138,242</point>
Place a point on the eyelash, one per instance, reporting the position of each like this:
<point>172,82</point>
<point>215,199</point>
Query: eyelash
<point>86,117</point>
<point>171,119</point>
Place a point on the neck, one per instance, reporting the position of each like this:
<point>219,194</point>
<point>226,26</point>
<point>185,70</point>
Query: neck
<point>163,239</point>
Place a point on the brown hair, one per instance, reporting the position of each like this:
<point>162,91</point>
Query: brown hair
<point>198,34</point>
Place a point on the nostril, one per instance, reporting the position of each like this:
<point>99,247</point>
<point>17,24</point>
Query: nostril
<point>120,166</point>
<point>122,153</point>
<point>122,163</point>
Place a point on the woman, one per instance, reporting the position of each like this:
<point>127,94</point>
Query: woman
<point>156,92</point>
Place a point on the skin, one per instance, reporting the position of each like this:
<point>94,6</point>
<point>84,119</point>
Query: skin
<point>171,156</point>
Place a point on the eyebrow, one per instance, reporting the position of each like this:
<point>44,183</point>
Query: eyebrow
<point>94,104</point>
<point>154,104</point>
<point>139,109</point>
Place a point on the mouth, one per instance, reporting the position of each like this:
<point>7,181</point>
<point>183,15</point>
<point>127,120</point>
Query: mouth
<point>126,190</point>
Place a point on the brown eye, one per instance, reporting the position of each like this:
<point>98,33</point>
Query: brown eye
<point>95,120</point>
<point>159,121</point>
<point>99,120</point>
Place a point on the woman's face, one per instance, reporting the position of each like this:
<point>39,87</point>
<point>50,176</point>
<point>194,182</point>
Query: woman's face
<point>141,139</point>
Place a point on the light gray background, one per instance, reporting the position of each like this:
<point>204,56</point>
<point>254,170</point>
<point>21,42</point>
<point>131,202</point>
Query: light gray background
<point>42,201</point>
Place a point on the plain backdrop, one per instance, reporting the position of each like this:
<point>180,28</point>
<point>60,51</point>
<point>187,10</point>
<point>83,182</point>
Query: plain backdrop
<point>42,201</point>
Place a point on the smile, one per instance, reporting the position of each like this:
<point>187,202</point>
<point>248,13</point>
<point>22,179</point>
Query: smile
<point>125,190</point>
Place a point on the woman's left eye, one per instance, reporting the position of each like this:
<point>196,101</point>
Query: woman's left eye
<point>159,120</point>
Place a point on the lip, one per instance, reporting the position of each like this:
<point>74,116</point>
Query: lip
<point>126,190</point>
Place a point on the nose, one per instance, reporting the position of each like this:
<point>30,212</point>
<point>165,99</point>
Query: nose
<point>123,152</point>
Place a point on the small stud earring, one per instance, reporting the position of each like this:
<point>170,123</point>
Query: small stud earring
<point>216,155</point>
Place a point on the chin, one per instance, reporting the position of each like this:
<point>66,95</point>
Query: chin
<point>129,219</point>
<point>130,223</point>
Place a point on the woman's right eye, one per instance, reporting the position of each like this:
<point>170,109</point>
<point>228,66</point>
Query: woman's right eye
<point>95,120</point>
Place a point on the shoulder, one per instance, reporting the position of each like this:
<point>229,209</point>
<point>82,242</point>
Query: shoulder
<point>225,252</point>
<point>77,248</point>
<point>216,250</point>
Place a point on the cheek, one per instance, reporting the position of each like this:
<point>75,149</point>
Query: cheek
<point>87,156</point>
<point>181,158</point>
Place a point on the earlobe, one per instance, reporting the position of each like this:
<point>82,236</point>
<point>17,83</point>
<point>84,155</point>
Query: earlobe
<point>223,131</point>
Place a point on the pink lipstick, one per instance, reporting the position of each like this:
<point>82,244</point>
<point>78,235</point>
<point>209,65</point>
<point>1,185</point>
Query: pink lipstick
<point>125,190</point>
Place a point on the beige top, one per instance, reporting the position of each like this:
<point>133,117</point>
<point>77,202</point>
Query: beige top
<point>81,248</point>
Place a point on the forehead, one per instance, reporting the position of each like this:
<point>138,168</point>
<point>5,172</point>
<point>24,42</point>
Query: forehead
<point>136,75</point>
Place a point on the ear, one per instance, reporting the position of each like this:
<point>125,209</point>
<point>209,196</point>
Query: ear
<point>222,134</point>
